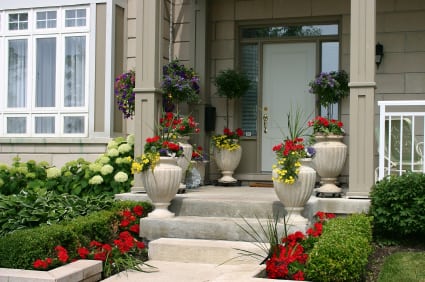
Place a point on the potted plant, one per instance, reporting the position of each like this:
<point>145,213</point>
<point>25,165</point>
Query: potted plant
<point>293,177</point>
<point>227,153</point>
<point>179,84</point>
<point>160,173</point>
<point>124,93</point>
<point>331,153</point>
<point>198,161</point>
<point>232,85</point>
<point>330,87</point>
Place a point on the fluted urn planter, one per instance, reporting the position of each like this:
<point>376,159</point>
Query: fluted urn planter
<point>295,196</point>
<point>227,161</point>
<point>329,161</point>
<point>184,161</point>
<point>161,185</point>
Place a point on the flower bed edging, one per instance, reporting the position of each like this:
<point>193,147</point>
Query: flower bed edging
<point>80,270</point>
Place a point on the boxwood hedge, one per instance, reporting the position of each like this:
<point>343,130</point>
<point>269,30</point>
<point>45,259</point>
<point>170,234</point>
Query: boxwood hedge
<point>21,248</point>
<point>342,252</point>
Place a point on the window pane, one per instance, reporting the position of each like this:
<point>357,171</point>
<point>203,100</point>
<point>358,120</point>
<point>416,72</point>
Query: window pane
<point>73,124</point>
<point>18,21</point>
<point>46,72</point>
<point>16,125</point>
<point>45,125</point>
<point>75,65</point>
<point>46,19</point>
<point>290,31</point>
<point>17,73</point>
<point>249,65</point>
<point>75,17</point>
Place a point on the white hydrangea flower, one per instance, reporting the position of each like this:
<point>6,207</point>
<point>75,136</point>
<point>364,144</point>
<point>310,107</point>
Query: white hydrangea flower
<point>95,180</point>
<point>121,177</point>
<point>96,167</point>
<point>103,160</point>
<point>130,139</point>
<point>107,169</point>
<point>53,172</point>
<point>113,153</point>
<point>112,144</point>
<point>124,148</point>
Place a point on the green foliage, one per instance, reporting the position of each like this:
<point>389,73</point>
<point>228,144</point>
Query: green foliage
<point>397,206</point>
<point>109,174</point>
<point>341,253</point>
<point>34,208</point>
<point>232,84</point>
<point>21,248</point>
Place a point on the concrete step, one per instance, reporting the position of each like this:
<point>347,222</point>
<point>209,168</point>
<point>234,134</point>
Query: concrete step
<point>221,202</point>
<point>209,228</point>
<point>206,251</point>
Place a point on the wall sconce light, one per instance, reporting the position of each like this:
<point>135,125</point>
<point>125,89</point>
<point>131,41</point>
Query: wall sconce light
<point>379,53</point>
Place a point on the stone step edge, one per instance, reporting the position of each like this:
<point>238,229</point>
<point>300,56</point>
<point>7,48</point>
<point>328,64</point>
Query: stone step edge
<point>206,251</point>
<point>80,270</point>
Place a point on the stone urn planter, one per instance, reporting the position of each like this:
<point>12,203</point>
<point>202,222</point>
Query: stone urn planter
<point>295,196</point>
<point>329,162</point>
<point>161,185</point>
<point>184,161</point>
<point>227,161</point>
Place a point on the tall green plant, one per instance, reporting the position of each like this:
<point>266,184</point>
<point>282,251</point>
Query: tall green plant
<point>232,85</point>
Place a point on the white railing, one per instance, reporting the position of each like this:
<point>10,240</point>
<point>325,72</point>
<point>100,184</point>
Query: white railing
<point>401,137</point>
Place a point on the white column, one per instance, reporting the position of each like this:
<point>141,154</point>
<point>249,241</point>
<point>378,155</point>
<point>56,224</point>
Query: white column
<point>362,101</point>
<point>148,74</point>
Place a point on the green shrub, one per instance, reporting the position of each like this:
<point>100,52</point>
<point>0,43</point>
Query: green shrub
<point>21,248</point>
<point>34,208</point>
<point>398,205</point>
<point>109,174</point>
<point>341,253</point>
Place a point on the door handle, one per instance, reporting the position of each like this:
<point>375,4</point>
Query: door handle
<point>265,119</point>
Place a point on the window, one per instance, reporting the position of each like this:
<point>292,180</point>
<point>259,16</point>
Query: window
<point>46,19</point>
<point>76,17</point>
<point>18,21</point>
<point>45,73</point>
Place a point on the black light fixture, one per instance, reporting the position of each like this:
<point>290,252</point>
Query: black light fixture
<point>379,53</point>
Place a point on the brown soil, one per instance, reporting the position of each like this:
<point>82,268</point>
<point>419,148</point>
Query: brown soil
<point>377,258</point>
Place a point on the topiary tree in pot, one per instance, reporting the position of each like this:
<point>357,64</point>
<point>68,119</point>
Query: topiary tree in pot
<point>232,85</point>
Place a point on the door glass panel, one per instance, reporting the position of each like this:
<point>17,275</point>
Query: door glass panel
<point>290,31</point>
<point>249,66</point>
<point>17,73</point>
<point>46,72</point>
<point>330,62</point>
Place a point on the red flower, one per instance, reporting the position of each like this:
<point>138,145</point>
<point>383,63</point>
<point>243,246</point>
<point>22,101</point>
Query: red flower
<point>124,223</point>
<point>62,254</point>
<point>126,213</point>
<point>299,276</point>
<point>140,245</point>
<point>135,228</point>
<point>239,132</point>
<point>100,256</point>
<point>138,210</point>
<point>83,252</point>
<point>95,244</point>
<point>153,139</point>
<point>42,264</point>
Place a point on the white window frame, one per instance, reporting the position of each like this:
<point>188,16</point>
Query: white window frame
<point>31,35</point>
<point>19,31</point>
<point>48,30</point>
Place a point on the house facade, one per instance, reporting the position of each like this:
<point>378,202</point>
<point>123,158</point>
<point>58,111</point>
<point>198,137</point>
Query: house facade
<point>280,44</point>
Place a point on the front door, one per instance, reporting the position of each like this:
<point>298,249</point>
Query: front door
<point>287,70</point>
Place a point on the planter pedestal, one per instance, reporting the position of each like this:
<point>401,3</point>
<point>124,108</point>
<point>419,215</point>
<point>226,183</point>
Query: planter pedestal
<point>227,161</point>
<point>295,196</point>
<point>161,185</point>
<point>329,162</point>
